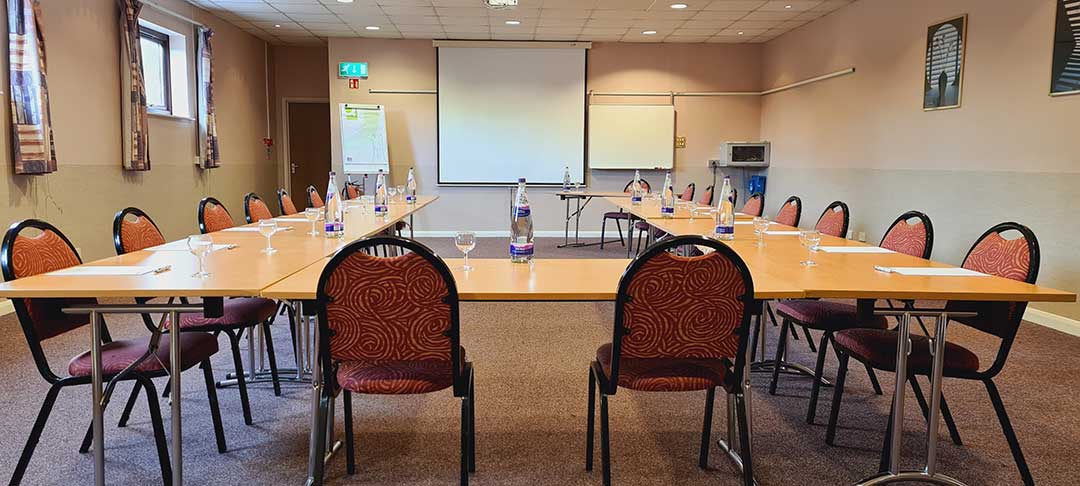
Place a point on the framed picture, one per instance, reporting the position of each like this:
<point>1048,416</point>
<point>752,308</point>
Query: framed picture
<point>944,78</point>
<point>1065,73</point>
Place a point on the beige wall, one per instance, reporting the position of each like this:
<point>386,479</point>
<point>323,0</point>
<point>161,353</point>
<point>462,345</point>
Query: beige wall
<point>296,73</point>
<point>1009,153</point>
<point>410,64</point>
<point>82,42</point>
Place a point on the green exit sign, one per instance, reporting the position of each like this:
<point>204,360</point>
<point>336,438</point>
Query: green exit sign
<point>352,70</point>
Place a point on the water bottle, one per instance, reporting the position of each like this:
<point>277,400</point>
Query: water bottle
<point>636,192</point>
<point>725,212</point>
<point>334,220</point>
<point>667,199</point>
<point>566,181</point>
<point>410,188</point>
<point>381,208</point>
<point>521,227</point>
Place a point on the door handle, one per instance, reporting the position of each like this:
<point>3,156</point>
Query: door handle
<point>292,168</point>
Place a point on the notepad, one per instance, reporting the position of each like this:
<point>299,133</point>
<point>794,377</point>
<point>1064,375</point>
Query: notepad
<point>243,229</point>
<point>932,271</point>
<point>782,233</point>
<point>853,249</point>
<point>104,270</point>
<point>291,220</point>
<point>749,222</point>
<point>182,245</point>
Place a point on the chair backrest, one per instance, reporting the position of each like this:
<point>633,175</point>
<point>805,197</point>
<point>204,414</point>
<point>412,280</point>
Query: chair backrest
<point>255,209</point>
<point>706,197</point>
<point>834,220</point>
<point>375,308</point>
<point>1015,259</point>
<point>351,191</point>
<point>754,206</point>
<point>688,193</point>
<point>213,216</point>
<point>791,212</point>
<point>911,234</point>
<point>662,312</point>
<point>285,203</point>
<point>313,197</point>
<point>23,256</point>
<point>133,230</point>
<point>645,186</point>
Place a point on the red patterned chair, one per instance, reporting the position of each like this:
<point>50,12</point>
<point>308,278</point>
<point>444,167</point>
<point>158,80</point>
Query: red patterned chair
<point>677,334</point>
<point>25,255</point>
<point>834,220</point>
<point>285,203</point>
<point>389,326</point>
<point>621,215</point>
<point>650,234</point>
<point>790,213</point>
<point>255,209</point>
<point>754,206</point>
<point>688,193</point>
<point>1016,259</point>
<point>313,197</point>
<point>213,216</point>
<point>707,197</point>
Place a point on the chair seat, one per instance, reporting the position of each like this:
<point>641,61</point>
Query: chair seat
<point>642,225</point>
<point>826,316</point>
<point>117,355</point>
<point>238,312</point>
<point>877,347</point>
<point>616,215</point>
<point>396,377</point>
<point>664,375</point>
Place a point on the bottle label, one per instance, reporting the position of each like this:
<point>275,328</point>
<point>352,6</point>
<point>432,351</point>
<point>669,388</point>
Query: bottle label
<point>381,209</point>
<point>667,210</point>
<point>725,230</point>
<point>410,198</point>
<point>635,199</point>
<point>334,227</point>
<point>523,211</point>
<point>521,249</point>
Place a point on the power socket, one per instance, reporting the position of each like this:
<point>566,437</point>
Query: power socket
<point>716,164</point>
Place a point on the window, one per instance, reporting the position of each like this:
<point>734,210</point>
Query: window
<point>156,70</point>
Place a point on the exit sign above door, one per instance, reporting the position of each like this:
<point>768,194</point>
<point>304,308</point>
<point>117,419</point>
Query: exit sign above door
<point>352,70</point>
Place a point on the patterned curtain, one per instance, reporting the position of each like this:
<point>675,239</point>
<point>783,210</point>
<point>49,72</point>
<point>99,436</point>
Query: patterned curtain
<point>134,121</point>
<point>33,150</point>
<point>209,152</point>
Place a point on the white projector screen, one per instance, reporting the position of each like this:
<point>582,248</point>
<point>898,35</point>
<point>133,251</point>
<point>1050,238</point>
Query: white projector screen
<point>506,113</point>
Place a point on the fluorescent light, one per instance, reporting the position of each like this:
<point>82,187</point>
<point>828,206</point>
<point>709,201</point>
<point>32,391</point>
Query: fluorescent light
<point>648,32</point>
<point>372,27</point>
<point>513,22</point>
<point>678,6</point>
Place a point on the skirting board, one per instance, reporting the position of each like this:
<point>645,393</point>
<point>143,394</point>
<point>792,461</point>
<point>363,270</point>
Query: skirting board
<point>6,307</point>
<point>1053,321</point>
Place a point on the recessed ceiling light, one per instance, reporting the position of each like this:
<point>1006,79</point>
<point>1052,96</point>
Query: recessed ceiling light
<point>345,1</point>
<point>513,22</point>
<point>648,32</point>
<point>785,6</point>
<point>277,25</point>
<point>678,6</point>
<point>740,32</point>
<point>372,27</point>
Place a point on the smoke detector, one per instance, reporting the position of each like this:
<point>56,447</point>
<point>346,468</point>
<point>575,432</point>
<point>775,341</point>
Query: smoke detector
<point>500,4</point>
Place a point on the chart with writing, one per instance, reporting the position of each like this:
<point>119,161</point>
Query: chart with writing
<point>364,148</point>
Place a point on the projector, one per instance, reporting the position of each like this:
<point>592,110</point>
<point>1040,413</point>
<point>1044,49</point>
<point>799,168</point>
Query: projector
<point>500,4</point>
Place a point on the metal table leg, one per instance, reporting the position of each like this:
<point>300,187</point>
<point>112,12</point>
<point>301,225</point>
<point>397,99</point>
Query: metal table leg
<point>99,409</point>
<point>175,365</point>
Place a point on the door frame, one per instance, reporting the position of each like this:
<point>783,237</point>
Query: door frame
<point>286,167</point>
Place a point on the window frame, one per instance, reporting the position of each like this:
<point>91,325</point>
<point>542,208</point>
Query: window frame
<point>162,39</point>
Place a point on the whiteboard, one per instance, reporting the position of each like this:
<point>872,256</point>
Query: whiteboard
<point>364,149</point>
<point>631,136</point>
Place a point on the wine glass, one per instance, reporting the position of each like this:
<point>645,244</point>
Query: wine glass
<point>400,190</point>
<point>200,246</point>
<point>312,215</point>
<point>267,228</point>
<point>810,239</point>
<point>465,241</point>
<point>761,225</point>
<point>391,193</point>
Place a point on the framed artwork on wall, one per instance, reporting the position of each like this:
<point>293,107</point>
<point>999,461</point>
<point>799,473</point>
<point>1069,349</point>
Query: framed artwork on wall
<point>944,77</point>
<point>1065,73</point>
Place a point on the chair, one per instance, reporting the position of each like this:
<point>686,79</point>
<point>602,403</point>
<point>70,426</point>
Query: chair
<point>647,232</point>
<point>834,220</point>
<point>389,352</point>
<point>1016,259</point>
<point>915,239</point>
<point>285,203</point>
<point>706,197</point>
<point>689,336</point>
<point>213,216</point>
<point>351,191</point>
<point>754,206</point>
<point>255,209</point>
<point>313,197</point>
<point>42,319</point>
<point>688,193</point>
<point>621,215</point>
<point>790,213</point>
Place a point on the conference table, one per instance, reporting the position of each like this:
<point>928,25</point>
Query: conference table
<point>582,197</point>
<point>237,269</point>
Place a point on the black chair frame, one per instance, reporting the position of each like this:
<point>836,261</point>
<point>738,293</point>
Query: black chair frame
<point>202,211</point>
<point>281,195</point>
<point>629,218</point>
<point>247,205</point>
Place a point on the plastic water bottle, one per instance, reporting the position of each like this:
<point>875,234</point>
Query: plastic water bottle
<point>667,199</point>
<point>521,227</point>
<point>381,208</point>
<point>725,212</point>
<point>334,221</point>
<point>566,181</point>
<point>636,192</point>
<point>410,188</point>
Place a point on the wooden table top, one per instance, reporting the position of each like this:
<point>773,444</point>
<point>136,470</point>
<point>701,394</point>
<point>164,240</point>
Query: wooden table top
<point>590,193</point>
<point>649,209</point>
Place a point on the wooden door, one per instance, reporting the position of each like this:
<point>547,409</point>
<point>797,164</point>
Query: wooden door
<point>309,149</point>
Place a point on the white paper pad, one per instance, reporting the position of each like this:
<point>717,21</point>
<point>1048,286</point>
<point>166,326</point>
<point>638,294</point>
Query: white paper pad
<point>244,229</point>
<point>291,220</point>
<point>107,270</point>
<point>182,245</point>
<point>749,222</point>
<point>932,272</point>
<point>853,249</point>
<point>782,233</point>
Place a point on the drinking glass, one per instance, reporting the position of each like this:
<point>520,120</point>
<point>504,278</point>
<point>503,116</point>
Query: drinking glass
<point>313,215</point>
<point>400,193</point>
<point>267,228</point>
<point>391,194</point>
<point>761,225</point>
<point>810,239</point>
<point>367,204</point>
<point>200,246</point>
<point>465,241</point>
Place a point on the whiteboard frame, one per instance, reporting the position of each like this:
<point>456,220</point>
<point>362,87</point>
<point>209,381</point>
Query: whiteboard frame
<point>341,139</point>
<point>641,166</point>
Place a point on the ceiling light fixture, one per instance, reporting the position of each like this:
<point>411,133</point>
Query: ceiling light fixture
<point>345,1</point>
<point>277,26</point>
<point>649,32</point>
<point>785,6</point>
<point>513,22</point>
<point>500,4</point>
<point>678,6</point>
<point>373,27</point>
<point>740,32</point>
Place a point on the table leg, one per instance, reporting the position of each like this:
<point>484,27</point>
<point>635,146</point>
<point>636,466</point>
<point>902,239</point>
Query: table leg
<point>298,327</point>
<point>577,223</point>
<point>316,390</point>
<point>99,411</point>
<point>903,348</point>
<point>566,227</point>
<point>174,399</point>
<point>935,393</point>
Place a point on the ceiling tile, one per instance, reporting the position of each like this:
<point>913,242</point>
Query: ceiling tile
<point>735,5</point>
<point>790,5</point>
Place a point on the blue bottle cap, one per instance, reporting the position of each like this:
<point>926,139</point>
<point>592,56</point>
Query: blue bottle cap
<point>521,179</point>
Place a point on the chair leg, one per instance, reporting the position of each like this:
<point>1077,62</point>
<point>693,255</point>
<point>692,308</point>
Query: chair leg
<point>159,430</point>
<point>755,330</point>
<point>270,356</point>
<point>88,439</point>
<point>603,234</point>
<point>215,410</point>
<point>124,417</point>
<point>838,396</point>
<point>772,317</point>
<point>886,447</point>
<point>35,435</point>
<point>746,452</point>
<point>590,421</point>
<point>618,226</point>
<point>320,439</point>
<point>605,441</point>
<point>1010,434</point>
<point>954,433</point>
<point>873,379</point>
<point>629,237</point>
<point>781,349</point>
<point>241,381</point>
<point>815,390</point>
<point>350,451</point>
<point>472,423</point>
<point>464,441</point>
<point>706,429</point>
<point>167,389</point>
<point>809,339</point>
